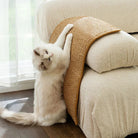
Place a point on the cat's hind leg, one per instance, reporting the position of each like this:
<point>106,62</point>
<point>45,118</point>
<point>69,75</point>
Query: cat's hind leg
<point>61,39</point>
<point>62,120</point>
<point>46,122</point>
<point>52,119</point>
<point>52,122</point>
<point>58,116</point>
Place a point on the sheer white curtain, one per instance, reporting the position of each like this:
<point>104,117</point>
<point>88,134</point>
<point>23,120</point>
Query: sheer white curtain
<point>17,39</point>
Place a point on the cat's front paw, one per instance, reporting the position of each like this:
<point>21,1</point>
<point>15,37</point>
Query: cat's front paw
<point>69,27</point>
<point>70,36</point>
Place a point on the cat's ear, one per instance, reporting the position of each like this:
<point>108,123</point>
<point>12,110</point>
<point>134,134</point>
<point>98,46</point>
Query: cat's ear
<point>61,39</point>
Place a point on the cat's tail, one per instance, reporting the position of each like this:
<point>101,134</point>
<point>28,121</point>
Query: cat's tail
<point>17,117</point>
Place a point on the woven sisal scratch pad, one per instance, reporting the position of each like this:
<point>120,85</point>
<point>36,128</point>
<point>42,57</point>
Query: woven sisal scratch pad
<point>85,31</point>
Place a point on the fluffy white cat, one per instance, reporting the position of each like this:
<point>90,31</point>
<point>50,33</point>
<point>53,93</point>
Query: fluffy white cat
<point>51,61</point>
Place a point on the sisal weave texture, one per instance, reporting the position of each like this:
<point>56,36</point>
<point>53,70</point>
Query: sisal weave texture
<point>85,31</point>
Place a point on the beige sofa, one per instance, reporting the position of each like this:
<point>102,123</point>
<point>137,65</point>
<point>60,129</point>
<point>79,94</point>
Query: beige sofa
<point>108,102</point>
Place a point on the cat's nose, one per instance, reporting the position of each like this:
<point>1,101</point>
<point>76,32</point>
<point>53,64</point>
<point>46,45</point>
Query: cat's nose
<point>42,63</point>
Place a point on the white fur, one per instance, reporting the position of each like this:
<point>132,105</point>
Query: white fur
<point>51,61</point>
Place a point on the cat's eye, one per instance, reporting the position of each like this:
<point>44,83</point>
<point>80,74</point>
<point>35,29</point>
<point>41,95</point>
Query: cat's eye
<point>49,59</point>
<point>36,53</point>
<point>46,52</point>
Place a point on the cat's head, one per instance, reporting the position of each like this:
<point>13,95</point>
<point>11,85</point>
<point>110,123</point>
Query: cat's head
<point>46,58</point>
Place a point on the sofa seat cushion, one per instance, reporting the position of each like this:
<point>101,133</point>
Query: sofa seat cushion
<point>108,103</point>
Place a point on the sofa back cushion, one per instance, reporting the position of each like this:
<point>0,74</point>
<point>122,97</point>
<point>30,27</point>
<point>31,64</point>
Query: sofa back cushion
<point>113,51</point>
<point>121,13</point>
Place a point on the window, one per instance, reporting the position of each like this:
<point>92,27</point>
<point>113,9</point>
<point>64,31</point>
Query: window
<point>17,39</point>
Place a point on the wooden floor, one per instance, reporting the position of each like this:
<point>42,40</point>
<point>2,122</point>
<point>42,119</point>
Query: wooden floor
<point>23,101</point>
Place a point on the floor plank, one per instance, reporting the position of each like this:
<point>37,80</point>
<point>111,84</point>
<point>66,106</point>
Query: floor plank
<point>67,130</point>
<point>23,101</point>
<point>19,101</point>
